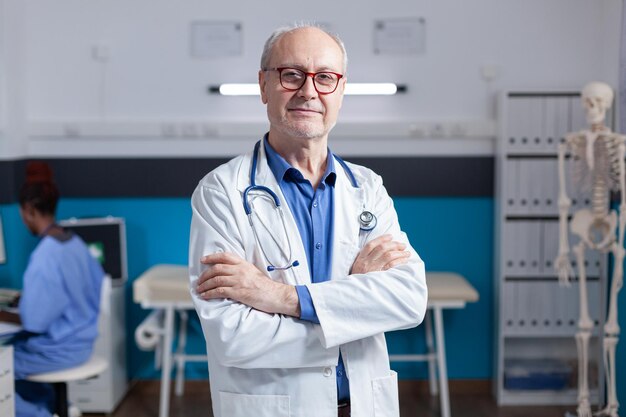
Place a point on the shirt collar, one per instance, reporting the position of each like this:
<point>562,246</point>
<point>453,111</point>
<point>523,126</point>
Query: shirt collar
<point>282,170</point>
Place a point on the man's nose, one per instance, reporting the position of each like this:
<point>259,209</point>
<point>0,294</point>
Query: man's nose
<point>308,90</point>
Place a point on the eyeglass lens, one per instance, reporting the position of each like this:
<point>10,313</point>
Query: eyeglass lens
<point>294,79</point>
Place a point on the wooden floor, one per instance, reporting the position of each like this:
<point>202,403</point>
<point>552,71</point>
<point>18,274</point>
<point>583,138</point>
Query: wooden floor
<point>142,400</point>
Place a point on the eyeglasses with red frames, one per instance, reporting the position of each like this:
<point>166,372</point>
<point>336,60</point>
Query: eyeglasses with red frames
<point>292,79</point>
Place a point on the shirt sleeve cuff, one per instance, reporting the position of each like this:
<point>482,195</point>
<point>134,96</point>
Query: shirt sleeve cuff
<point>307,309</point>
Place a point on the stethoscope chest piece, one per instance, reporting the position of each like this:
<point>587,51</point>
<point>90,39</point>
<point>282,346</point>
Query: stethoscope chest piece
<point>367,220</point>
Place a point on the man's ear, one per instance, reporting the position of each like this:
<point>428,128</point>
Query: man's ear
<point>262,85</point>
<point>342,89</point>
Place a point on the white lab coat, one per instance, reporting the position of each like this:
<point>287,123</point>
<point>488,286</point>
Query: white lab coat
<point>270,365</point>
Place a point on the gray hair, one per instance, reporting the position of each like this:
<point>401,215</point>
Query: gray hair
<point>280,32</point>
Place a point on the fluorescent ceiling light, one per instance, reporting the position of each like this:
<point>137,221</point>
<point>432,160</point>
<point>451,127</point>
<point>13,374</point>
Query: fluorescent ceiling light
<point>239,90</point>
<point>352,89</point>
<point>371,89</point>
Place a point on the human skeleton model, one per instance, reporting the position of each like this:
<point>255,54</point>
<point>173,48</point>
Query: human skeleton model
<point>599,168</point>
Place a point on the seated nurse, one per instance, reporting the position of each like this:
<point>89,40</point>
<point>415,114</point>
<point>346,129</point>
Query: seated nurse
<point>60,299</point>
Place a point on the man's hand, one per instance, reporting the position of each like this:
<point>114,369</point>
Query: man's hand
<point>229,276</point>
<point>380,254</point>
<point>563,268</point>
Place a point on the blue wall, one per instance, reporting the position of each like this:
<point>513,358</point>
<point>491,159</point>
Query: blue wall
<point>157,232</point>
<point>454,234</point>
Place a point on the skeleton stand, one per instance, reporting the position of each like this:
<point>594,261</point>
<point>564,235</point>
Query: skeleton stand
<point>597,231</point>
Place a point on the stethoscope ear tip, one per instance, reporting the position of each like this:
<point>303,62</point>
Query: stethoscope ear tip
<point>296,263</point>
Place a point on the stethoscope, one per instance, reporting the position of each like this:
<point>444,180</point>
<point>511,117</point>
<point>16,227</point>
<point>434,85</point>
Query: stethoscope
<point>367,219</point>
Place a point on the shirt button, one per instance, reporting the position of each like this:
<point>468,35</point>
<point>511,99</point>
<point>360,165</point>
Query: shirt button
<point>328,371</point>
<point>318,245</point>
<point>339,372</point>
<point>315,203</point>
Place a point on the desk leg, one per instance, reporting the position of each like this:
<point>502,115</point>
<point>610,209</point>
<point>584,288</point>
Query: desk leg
<point>166,370</point>
<point>180,353</point>
<point>432,358</point>
<point>444,397</point>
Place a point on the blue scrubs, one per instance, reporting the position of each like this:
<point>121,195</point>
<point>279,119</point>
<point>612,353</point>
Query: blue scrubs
<point>59,308</point>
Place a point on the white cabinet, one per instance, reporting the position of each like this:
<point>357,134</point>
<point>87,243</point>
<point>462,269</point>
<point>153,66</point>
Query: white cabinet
<point>536,361</point>
<point>102,393</point>
<point>7,384</point>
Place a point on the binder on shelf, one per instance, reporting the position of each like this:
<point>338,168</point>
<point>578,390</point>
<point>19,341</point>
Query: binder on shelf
<point>535,247</point>
<point>524,186</point>
<point>535,125</point>
<point>518,110</point>
<point>512,189</point>
<point>550,232</point>
<point>509,306</point>
<point>510,244</point>
<point>557,121</point>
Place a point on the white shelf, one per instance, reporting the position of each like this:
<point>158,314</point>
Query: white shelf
<point>542,397</point>
<point>103,393</point>
<point>526,244</point>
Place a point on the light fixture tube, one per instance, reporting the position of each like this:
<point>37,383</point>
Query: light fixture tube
<point>239,89</point>
<point>371,89</point>
<point>352,89</point>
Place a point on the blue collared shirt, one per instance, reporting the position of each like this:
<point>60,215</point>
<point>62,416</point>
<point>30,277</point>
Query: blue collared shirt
<point>313,211</point>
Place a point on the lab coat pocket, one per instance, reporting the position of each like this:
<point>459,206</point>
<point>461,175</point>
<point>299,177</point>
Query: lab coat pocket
<point>345,254</point>
<point>244,405</point>
<point>385,394</point>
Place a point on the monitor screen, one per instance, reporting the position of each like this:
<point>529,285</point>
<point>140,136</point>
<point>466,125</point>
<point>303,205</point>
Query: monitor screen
<point>106,240</point>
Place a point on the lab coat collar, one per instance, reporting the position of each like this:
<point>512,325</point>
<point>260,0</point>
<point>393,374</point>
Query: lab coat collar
<point>349,203</point>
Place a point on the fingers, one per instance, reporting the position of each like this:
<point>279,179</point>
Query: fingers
<point>217,293</point>
<point>380,254</point>
<point>220,258</point>
<point>374,243</point>
<point>399,258</point>
<point>211,277</point>
<point>217,287</point>
<point>383,249</point>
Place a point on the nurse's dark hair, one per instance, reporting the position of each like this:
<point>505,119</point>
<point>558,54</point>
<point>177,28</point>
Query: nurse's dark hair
<point>39,189</point>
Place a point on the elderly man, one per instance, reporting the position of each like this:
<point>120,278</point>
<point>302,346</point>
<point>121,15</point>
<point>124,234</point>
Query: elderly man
<point>297,262</point>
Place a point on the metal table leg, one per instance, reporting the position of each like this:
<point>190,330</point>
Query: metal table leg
<point>444,396</point>
<point>166,370</point>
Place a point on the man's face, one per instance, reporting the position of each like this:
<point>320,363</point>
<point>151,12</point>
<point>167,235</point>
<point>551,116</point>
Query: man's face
<point>303,113</point>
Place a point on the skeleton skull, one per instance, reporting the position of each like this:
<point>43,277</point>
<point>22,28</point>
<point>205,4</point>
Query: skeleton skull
<point>597,98</point>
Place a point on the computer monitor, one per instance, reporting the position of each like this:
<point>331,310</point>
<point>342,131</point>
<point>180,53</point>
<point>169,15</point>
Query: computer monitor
<point>106,239</point>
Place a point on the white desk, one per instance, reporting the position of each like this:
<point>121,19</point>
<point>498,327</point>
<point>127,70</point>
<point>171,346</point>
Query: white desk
<point>7,382</point>
<point>445,290</point>
<point>165,288</point>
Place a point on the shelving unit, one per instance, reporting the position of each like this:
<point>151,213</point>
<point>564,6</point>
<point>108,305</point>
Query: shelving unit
<point>102,393</point>
<point>536,317</point>
<point>7,384</point>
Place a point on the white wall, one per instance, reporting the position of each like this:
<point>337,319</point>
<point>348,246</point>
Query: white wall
<point>50,75</point>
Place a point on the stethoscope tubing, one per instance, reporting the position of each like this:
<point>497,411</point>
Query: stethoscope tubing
<point>367,219</point>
